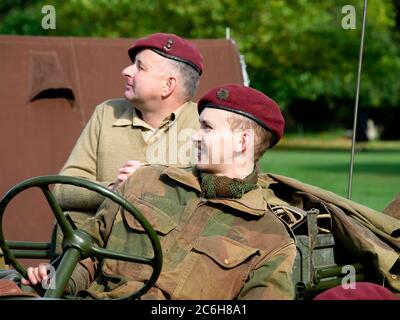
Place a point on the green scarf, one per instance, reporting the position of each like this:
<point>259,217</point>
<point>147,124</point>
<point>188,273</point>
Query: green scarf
<point>213,186</point>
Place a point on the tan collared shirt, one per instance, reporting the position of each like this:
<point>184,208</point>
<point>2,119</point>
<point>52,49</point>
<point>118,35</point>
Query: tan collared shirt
<point>150,135</point>
<point>114,135</point>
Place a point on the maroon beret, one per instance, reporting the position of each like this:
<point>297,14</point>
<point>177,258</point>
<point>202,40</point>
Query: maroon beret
<point>170,46</point>
<point>248,102</point>
<point>362,291</point>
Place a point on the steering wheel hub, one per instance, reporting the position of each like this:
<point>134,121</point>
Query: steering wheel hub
<point>80,240</point>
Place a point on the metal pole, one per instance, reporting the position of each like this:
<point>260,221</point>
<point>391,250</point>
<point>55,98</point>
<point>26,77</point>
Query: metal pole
<point>228,33</point>
<point>356,103</point>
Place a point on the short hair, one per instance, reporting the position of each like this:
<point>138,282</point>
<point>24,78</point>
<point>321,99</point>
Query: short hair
<point>262,137</point>
<point>190,77</point>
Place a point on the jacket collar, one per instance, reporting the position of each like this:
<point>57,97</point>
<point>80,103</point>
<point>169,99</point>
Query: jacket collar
<point>131,117</point>
<point>253,202</point>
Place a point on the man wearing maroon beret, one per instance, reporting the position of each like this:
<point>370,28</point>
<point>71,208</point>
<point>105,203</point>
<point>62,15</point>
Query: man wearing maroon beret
<point>219,239</point>
<point>143,127</point>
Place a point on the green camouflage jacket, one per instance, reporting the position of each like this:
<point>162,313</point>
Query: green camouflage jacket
<point>212,248</point>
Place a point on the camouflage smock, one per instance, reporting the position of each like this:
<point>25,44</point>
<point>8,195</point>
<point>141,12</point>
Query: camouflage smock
<point>212,248</point>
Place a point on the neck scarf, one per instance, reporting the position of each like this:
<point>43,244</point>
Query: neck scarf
<point>213,186</point>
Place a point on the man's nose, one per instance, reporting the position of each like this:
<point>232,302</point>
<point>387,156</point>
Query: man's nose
<point>197,136</point>
<point>128,71</point>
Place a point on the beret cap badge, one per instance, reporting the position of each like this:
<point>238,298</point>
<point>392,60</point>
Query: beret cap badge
<point>168,45</point>
<point>223,94</point>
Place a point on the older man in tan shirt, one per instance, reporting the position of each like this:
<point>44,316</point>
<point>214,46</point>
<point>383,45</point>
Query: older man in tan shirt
<point>153,124</point>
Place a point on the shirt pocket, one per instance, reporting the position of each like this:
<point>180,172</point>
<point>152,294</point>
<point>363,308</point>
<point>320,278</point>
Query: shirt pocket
<point>217,268</point>
<point>226,252</point>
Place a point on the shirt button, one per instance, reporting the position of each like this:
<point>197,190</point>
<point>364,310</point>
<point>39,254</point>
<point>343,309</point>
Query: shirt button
<point>226,261</point>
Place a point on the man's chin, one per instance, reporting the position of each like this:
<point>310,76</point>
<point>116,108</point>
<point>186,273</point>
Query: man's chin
<point>207,167</point>
<point>201,166</point>
<point>129,95</point>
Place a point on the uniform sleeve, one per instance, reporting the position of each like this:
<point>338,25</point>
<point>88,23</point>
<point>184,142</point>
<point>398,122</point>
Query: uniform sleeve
<point>82,163</point>
<point>272,278</point>
<point>100,226</point>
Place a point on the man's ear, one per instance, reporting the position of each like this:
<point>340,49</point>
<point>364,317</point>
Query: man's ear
<point>243,141</point>
<point>168,87</point>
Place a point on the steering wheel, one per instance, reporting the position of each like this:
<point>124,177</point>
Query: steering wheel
<point>78,244</point>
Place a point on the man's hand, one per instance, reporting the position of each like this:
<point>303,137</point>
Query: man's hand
<point>125,171</point>
<point>36,274</point>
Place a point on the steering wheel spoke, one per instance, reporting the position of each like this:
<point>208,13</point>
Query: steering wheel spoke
<point>65,225</point>
<point>109,254</point>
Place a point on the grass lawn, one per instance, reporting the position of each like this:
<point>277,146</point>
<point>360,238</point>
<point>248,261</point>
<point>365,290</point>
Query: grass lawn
<point>376,173</point>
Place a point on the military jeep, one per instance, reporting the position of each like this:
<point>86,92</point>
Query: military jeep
<point>322,262</point>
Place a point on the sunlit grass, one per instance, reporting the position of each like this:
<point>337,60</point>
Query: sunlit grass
<point>376,178</point>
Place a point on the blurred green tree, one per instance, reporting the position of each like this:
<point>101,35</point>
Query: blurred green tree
<point>295,51</point>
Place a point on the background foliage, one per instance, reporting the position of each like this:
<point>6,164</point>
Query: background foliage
<point>296,51</point>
